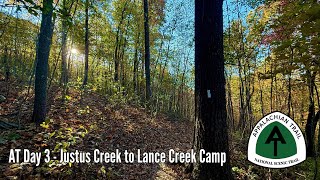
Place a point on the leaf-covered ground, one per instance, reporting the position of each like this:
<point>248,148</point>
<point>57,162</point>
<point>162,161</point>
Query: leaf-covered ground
<point>86,123</point>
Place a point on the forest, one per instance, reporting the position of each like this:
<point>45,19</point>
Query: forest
<point>96,83</point>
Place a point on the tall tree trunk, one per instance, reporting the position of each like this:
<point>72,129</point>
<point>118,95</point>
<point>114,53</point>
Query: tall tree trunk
<point>311,119</point>
<point>181,92</point>
<point>43,51</point>
<point>318,114</point>
<point>64,70</point>
<point>147,49</point>
<point>261,97</point>
<point>135,64</point>
<point>230,104</point>
<point>116,52</point>
<point>161,76</point>
<point>121,55</point>
<point>86,39</point>
<point>319,139</point>
<point>211,123</point>
<point>289,102</point>
<point>241,71</point>
<point>271,86</point>
<point>289,97</point>
<point>276,99</point>
<point>122,66</point>
<point>242,119</point>
<point>248,93</point>
<point>175,82</point>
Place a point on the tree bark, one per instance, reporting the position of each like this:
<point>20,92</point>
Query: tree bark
<point>64,53</point>
<point>211,123</point>
<point>230,104</point>
<point>242,119</point>
<point>261,98</point>
<point>43,50</point>
<point>311,119</point>
<point>116,52</point>
<point>271,87</point>
<point>135,64</point>
<point>319,139</point>
<point>147,49</point>
<point>289,103</point>
<point>86,39</point>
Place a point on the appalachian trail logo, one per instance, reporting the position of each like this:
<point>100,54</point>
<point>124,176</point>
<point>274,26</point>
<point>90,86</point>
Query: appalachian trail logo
<point>276,142</point>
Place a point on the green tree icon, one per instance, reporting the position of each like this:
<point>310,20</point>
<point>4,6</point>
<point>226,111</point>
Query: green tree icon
<point>276,142</point>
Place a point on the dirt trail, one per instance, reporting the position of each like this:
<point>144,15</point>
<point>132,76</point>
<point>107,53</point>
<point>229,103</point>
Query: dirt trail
<point>130,128</point>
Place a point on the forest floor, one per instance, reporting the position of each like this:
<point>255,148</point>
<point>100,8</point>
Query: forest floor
<point>87,122</point>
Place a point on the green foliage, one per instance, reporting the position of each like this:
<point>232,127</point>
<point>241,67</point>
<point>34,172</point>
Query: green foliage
<point>13,136</point>
<point>3,140</point>
<point>244,174</point>
<point>309,167</point>
<point>46,123</point>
